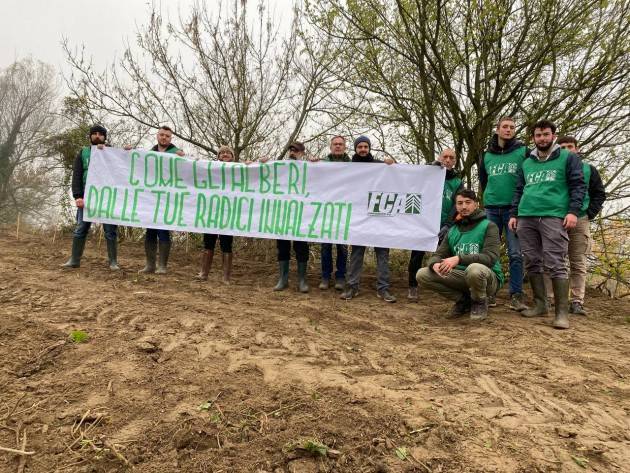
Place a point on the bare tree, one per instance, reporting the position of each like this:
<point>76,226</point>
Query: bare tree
<point>216,78</point>
<point>27,96</point>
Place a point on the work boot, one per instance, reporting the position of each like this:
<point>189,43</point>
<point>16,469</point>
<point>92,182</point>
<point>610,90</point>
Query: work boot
<point>412,295</point>
<point>462,306</point>
<point>349,293</point>
<point>340,283</point>
<point>206,265</point>
<point>577,308</point>
<point>324,284</point>
<point>112,253</point>
<point>517,302</point>
<point>165,250</point>
<point>78,245</point>
<point>302,284</point>
<point>283,281</point>
<point>385,295</point>
<point>227,267</point>
<point>540,308</point>
<point>479,309</point>
<point>150,251</point>
<point>561,299</point>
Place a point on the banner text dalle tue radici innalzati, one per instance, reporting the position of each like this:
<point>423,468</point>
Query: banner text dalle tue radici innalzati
<point>395,206</point>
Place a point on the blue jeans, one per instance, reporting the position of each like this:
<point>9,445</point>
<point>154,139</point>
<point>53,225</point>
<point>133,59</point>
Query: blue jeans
<point>327,261</point>
<point>153,234</point>
<point>83,228</point>
<point>501,216</point>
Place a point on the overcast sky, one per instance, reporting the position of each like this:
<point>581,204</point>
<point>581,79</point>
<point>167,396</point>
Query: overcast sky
<point>36,27</point>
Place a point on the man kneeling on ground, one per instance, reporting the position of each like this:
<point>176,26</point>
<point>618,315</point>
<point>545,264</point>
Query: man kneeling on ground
<point>466,265</point>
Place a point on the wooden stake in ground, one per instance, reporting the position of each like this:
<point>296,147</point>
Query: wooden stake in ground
<point>17,229</point>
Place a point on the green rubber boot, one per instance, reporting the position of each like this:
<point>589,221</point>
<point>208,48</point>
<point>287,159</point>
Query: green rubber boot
<point>537,281</point>
<point>150,250</point>
<point>302,284</point>
<point>112,254</point>
<point>561,299</point>
<point>165,250</point>
<point>78,245</point>
<point>283,281</point>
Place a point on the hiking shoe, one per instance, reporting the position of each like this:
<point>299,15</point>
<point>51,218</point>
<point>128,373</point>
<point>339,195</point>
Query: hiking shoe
<point>385,295</point>
<point>517,302</point>
<point>491,301</point>
<point>349,293</point>
<point>479,309</point>
<point>461,307</point>
<point>412,295</point>
<point>324,284</point>
<point>577,308</point>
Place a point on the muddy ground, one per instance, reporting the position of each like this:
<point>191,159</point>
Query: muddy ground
<point>184,376</point>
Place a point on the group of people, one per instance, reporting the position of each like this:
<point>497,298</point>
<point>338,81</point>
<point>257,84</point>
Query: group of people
<point>539,200</point>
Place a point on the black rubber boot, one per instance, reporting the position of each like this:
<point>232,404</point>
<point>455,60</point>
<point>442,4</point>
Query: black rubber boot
<point>165,250</point>
<point>206,264</point>
<point>561,300</point>
<point>78,245</point>
<point>283,281</point>
<point>302,284</point>
<point>150,250</point>
<point>537,281</point>
<point>112,254</point>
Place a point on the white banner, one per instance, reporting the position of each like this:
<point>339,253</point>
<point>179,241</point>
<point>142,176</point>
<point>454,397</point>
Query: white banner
<point>395,206</point>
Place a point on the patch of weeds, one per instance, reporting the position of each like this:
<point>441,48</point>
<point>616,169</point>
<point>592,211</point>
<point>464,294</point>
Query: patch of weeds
<point>402,453</point>
<point>309,446</point>
<point>79,336</point>
<point>205,406</point>
<point>583,462</point>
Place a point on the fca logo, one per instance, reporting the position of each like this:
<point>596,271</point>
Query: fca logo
<point>393,203</point>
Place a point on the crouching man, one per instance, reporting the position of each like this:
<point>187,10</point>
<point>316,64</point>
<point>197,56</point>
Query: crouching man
<point>466,265</point>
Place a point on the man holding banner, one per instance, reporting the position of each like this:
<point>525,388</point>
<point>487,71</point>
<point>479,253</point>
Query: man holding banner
<point>154,235</point>
<point>97,136</point>
<point>362,154</point>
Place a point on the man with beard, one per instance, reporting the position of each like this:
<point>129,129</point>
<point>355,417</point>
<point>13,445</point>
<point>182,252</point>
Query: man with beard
<point>580,236</point>
<point>362,154</point>
<point>466,265</point>
<point>498,172</point>
<point>549,193</point>
<point>155,237</point>
<point>452,184</point>
<point>97,136</point>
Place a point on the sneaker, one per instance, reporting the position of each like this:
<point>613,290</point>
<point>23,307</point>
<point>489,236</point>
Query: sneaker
<point>461,307</point>
<point>517,302</point>
<point>577,308</point>
<point>479,310</point>
<point>324,284</point>
<point>492,301</point>
<point>385,295</point>
<point>412,295</point>
<point>349,293</point>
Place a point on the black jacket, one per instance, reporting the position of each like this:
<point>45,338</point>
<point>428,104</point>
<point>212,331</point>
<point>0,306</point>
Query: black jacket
<point>169,147</point>
<point>575,181</point>
<point>596,193</point>
<point>494,148</point>
<point>367,159</point>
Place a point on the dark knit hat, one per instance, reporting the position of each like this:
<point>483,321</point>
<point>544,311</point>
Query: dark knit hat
<point>297,146</point>
<point>98,129</point>
<point>362,139</point>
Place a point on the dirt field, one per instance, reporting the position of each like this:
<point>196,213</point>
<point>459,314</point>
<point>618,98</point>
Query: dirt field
<point>182,376</point>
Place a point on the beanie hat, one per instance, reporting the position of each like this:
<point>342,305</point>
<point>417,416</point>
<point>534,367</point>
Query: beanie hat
<point>362,139</point>
<point>98,129</point>
<point>226,148</point>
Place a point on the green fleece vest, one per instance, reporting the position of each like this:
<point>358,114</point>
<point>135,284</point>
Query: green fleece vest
<point>586,169</point>
<point>471,243</point>
<point>502,170</point>
<point>86,152</point>
<point>450,187</point>
<point>546,191</point>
